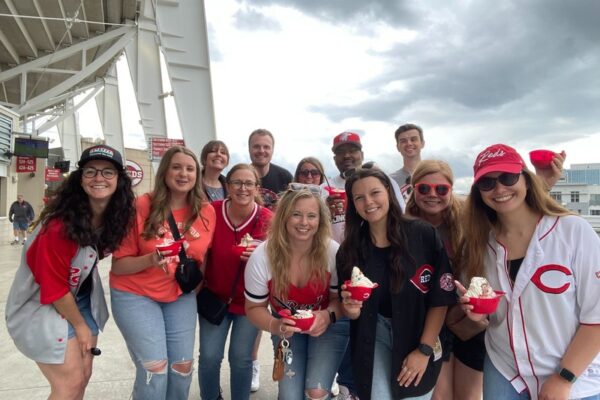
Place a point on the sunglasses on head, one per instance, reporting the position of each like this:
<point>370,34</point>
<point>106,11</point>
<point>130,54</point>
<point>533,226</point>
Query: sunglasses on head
<point>487,183</point>
<point>314,189</point>
<point>349,172</point>
<point>312,172</point>
<point>441,189</point>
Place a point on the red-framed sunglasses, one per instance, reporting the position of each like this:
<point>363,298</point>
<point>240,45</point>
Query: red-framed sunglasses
<point>442,189</point>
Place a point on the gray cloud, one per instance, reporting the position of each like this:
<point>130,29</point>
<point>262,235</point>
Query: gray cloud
<point>532,63</point>
<point>392,12</point>
<point>251,19</point>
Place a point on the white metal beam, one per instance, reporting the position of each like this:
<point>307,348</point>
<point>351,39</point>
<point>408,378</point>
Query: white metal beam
<point>109,111</point>
<point>67,24</point>
<point>9,48</point>
<point>21,25</point>
<point>144,65</point>
<point>184,40</point>
<point>38,9</point>
<point>65,53</point>
<point>33,104</point>
<point>68,132</point>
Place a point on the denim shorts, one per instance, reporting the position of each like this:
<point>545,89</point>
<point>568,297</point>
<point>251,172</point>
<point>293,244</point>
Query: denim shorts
<point>85,308</point>
<point>20,225</point>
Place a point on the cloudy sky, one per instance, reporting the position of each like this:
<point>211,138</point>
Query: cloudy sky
<point>470,73</point>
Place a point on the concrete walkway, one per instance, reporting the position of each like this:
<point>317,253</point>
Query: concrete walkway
<point>113,370</point>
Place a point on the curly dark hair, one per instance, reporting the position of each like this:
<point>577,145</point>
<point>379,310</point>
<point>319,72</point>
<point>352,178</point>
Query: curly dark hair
<point>71,206</point>
<point>356,245</point>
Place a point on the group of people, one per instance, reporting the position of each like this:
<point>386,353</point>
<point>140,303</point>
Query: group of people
<point>407,231</point>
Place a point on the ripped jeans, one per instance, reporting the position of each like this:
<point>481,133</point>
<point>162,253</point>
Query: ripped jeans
<point>160,337</point>
<point>315,362</point>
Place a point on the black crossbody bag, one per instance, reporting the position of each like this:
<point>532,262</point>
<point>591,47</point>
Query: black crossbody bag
<point>210,306</point>
<point>187,274</point>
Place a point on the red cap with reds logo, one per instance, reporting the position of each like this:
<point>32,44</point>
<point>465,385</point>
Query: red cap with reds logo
<point>497,158</point>
<point>346,137</point>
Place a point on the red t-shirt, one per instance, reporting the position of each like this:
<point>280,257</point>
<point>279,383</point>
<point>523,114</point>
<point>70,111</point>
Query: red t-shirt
<point>153,282</point>
<point>223,263</point>
<point>49,259</point>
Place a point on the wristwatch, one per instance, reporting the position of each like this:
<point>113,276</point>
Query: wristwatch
<point>566,374</point>
<point>425,349</point>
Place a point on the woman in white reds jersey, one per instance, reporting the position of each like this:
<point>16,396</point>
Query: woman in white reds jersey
<point>296,266</point>
<point>56,305</point>
<point>543,341</point>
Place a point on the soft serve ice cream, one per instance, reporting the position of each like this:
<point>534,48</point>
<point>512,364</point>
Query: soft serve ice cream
<point>246,241</point>
<point>480,287</point>
<point>359,279</point>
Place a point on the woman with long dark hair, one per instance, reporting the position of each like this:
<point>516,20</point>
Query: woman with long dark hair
<point>158,320</point>
<point>394,333</point>
<point>56,304</point>
<point>543,341</point>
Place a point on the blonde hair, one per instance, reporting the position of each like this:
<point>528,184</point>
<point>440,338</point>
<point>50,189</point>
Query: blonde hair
<point>278,244</point>
<point>451,215</point>
<point>479,220</point>
<point>161,195</point>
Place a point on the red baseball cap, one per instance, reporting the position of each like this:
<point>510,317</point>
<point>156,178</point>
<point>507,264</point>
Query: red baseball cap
<point>346,137</point>
<point>497,158</point>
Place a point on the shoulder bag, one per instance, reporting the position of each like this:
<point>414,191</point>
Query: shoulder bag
<point>187,274</point>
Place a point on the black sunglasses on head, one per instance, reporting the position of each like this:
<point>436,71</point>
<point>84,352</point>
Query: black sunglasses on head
<point>487,183</point>
<point>349,172</point>
<point>306,172</point>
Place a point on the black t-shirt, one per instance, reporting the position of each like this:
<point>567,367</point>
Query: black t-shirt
<point>380,259</point>
<point>274,182</point>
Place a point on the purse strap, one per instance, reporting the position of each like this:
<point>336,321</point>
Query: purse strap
<point>239,271</point>
<point>176,235</point>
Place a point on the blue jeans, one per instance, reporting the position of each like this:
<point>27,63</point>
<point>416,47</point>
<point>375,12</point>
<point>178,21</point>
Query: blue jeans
<point>157,332</point>
<point>381,386</point>
<point>212,346</point>
<point>497,387</point>
<point>85,308</point>
<point>315,361</point>
<point>345,375</point>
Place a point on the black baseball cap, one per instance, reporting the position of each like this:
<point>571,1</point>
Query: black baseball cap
<point>101,152</point>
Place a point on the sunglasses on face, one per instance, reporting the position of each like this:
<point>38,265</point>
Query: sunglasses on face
<point>349,172</point>
<point>314,189</point>
<point>309,172</point>
<point>488,183</point>
<point>441,189</point>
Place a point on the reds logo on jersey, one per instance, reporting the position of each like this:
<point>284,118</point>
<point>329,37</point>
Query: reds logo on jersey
<point>422,277</point>
<point>551,278</point>
<point>74,275</point>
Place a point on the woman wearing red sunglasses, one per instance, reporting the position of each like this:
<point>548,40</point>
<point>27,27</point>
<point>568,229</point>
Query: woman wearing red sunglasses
<point>543,341</point>
<point>432,200</point>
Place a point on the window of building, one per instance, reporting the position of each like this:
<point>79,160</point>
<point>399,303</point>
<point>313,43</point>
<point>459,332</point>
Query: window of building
<point>556,196</point>
<point>574,197</point>
<point>594,199</point>
<point>594,212</point>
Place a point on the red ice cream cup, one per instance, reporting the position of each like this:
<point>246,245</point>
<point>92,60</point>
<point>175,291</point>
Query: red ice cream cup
<point>541,158</point>
<point>238,250</point>
<point>341,193</point>
<point>486,305</point>
<point>173,248</point>
<point>360,293</point>
<point>302,323</point>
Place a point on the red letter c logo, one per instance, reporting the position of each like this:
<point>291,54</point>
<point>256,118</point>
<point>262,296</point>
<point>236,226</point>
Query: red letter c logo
<point>537,278</point>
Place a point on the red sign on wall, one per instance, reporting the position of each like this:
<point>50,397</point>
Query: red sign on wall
<point>52,174</point>
<point>25,164</point>
<point>158,146</point>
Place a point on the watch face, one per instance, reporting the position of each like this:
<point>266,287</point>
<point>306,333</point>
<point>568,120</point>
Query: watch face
<point>567,375</point>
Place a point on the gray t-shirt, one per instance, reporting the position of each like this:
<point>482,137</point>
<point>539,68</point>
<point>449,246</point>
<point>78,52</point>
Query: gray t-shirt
<point>402,178</point>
